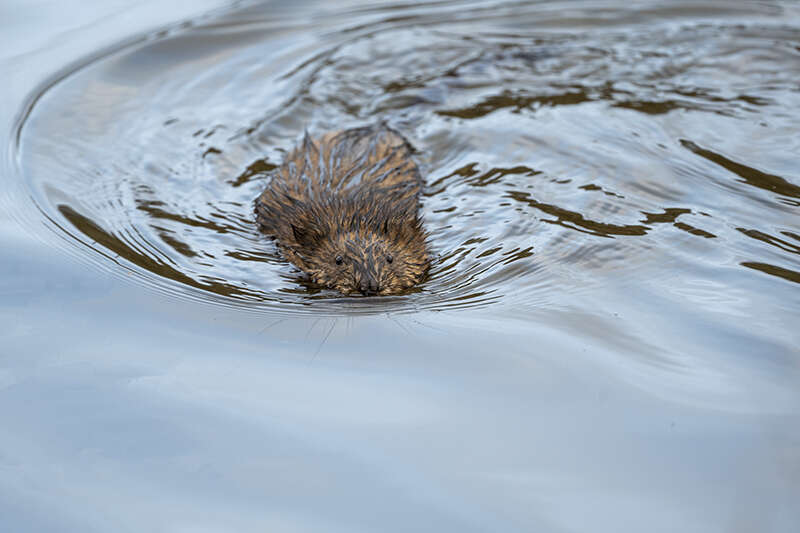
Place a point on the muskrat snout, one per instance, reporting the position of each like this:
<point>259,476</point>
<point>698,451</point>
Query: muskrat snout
<point>369,286</point>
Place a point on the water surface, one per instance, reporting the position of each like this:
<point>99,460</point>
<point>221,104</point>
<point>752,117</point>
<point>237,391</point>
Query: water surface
<point>608,340</point>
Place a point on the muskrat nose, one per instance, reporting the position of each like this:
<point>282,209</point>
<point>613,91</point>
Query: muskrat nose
<point>369,287</point>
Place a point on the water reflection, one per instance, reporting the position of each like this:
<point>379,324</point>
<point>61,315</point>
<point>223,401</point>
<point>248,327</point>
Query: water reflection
<point>607,340</point>
<point>748,175</point>
<point>192,177</point>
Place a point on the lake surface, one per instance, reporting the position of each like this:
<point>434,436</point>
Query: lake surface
<point>609,339</point>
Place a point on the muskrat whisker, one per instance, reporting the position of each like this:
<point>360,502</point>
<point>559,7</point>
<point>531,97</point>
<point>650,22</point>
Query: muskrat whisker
<point>268,326</point>
<point>313,325</point>
<point>402,327</point>
<point>325,338</point>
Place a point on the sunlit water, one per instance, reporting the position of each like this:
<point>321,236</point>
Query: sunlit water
<point>608,341</point>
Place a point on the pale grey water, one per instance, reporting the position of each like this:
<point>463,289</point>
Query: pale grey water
<point>608,343</point>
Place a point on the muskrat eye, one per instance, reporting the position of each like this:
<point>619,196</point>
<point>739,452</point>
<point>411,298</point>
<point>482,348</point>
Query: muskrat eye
<point>339,259</point>
<point>389,258</point>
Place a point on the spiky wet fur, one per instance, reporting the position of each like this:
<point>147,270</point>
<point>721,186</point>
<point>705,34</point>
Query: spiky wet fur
<point>353,194</point>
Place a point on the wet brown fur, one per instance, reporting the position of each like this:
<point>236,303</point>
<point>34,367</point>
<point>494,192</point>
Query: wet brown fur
<point>352,194</point>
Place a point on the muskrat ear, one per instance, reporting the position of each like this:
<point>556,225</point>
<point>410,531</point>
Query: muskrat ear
<point>301,235</point>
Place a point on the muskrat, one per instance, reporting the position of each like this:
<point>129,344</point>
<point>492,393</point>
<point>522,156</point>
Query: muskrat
<point>344,209</point>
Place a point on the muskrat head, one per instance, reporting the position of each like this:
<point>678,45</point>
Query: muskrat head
<point>389,259</point>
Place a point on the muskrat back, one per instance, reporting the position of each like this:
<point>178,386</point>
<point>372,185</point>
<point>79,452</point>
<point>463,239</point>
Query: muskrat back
<point>344,208</point>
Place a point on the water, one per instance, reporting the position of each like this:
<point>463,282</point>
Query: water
<point>608,340</point>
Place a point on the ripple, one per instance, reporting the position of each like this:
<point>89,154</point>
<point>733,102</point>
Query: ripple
<point>554,159</point>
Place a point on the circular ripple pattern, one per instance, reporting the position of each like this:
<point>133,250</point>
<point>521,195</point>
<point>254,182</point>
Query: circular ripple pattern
<point>558,149</point>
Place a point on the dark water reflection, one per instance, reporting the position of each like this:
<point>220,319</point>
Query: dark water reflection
<point>522,122</point>
<point>610,325</point>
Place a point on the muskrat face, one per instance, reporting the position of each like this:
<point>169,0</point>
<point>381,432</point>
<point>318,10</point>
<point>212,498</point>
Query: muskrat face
<point>369,263</point>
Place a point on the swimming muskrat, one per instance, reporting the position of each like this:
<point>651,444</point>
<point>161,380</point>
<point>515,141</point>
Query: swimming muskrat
<point>344,209</point>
